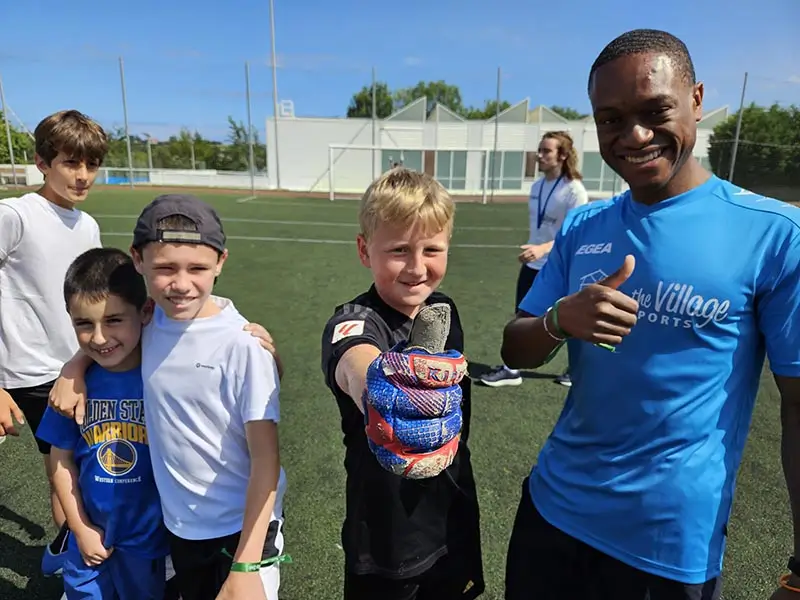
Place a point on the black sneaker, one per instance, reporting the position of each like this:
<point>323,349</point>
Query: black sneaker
<point>564,380</point>
<point>501,376</point>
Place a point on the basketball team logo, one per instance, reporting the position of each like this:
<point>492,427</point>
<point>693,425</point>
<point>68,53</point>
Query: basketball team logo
<point>117,457</point>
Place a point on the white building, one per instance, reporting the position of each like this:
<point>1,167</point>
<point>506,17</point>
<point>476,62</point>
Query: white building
<point>341,155</point>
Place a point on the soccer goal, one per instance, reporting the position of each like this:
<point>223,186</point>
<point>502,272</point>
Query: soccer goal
<point>463,171</point>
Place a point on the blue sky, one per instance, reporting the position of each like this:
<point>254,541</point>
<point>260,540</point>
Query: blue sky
<point>184,60</point>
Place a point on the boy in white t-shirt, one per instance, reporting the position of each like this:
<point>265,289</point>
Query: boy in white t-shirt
<point>552,197</point>
<point>211,395</point>
<point>41,233</point>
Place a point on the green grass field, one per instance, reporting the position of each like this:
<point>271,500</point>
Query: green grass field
<point>291,261</point>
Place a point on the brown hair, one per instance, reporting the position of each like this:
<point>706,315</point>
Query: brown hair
<point>566,147</point>
<point>409,198</point>
<point>73,133</point>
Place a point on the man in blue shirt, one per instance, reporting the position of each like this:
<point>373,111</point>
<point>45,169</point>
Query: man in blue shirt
<point>668,296</point>
<point>103,476</point>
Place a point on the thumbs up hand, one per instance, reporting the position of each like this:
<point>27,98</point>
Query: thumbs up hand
<point>600,313</point>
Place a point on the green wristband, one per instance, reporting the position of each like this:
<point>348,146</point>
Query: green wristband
<point>559,332</point>
<point>251,567</point>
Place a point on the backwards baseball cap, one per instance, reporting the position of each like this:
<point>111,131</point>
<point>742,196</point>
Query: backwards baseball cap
<point>209,227</point>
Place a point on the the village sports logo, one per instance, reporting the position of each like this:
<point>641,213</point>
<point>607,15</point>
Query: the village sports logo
<point>672,304</point>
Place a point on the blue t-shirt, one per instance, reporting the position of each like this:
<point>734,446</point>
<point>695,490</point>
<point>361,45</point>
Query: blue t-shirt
<point>642,461</point>
<point>113,459</point>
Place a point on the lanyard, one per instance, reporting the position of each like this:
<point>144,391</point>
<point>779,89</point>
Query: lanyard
<point>542,210</point>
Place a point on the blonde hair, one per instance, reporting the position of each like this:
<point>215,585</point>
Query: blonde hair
<point>73,133</point>
<point>566,147</point>
<point>408,198</point>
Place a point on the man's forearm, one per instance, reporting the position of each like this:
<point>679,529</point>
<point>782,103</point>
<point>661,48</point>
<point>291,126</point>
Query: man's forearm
<point>790,458</point>
<point>262,491</point>
<point>526,343</point>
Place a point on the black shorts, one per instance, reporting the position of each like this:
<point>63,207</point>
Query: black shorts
<point>545,563</point>
<point>202,566</point>
<point>32,401</point>
<point>452,577</point>
<point>524,282</point>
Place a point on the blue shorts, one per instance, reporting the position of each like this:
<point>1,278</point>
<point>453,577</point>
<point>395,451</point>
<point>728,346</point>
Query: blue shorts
<point>122,576</point>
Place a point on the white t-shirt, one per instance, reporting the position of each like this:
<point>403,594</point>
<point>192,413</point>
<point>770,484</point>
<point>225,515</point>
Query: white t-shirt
<point>38,242</point>
<point>203,380</point>
<point>553,199</point>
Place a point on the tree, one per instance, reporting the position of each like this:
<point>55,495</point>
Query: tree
<point>20,143</point>
<point>488,111</point>
<point>568,113</point>
<point>435,91</point>
<point>768,153</point>
<point>235,156</point>
<point>361,102</point>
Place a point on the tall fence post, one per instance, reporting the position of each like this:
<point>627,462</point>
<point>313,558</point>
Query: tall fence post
<point>8,134</point>
<point>738,130</point>
<point>250,151</point>
<point>125,117</point>
<point>274,60</point>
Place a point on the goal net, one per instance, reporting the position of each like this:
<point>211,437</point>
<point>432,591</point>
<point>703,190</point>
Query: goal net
<point>462,171</point>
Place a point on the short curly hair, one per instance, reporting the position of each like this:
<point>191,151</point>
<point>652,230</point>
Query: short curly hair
<point>647,41</point>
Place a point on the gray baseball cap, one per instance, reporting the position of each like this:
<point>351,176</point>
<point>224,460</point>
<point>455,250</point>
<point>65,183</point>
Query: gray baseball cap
<point>209,227</point>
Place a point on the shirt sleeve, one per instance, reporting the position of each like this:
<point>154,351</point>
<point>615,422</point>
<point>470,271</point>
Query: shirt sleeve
<point>59,431</point>
<point>552,281</point>
<point>258,390</point>
<point>344,330</point>
<point>578,196</point>
<point>778,310</point>
<point>10,231</point>
<point>96,239</point>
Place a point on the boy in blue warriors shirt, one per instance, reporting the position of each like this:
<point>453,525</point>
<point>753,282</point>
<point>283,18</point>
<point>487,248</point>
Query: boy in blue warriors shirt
<point>691,281</point>
<point>103,476</point>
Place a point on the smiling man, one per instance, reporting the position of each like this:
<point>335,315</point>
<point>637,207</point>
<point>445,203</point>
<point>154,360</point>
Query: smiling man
<point>696,282</point>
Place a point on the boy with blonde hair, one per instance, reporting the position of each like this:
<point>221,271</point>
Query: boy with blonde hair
<point>41,233</point>
<point>404,539</point>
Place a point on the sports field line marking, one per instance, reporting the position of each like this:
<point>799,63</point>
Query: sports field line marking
<point>245,199</point>
<point>314,223</point>
<point>251,238</point>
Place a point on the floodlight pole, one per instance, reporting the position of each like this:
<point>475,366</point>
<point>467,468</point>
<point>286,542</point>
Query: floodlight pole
<point>251,153</point>
<point>125,117</point>
<point>8,134</point>
<point>738,130</point>
<point>374,118</point>
<point>274,60</point>
<point>496,132</point>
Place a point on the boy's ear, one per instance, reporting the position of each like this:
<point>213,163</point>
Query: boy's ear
<point>363,251</point>
<point>137,260</point>
<point>147,311</point>
<point>41,164</point>
<point>221,261</point>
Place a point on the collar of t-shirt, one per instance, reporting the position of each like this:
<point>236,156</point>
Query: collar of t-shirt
<point>68,215</point>
<point>391,316</point>
<point>162,321</point>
